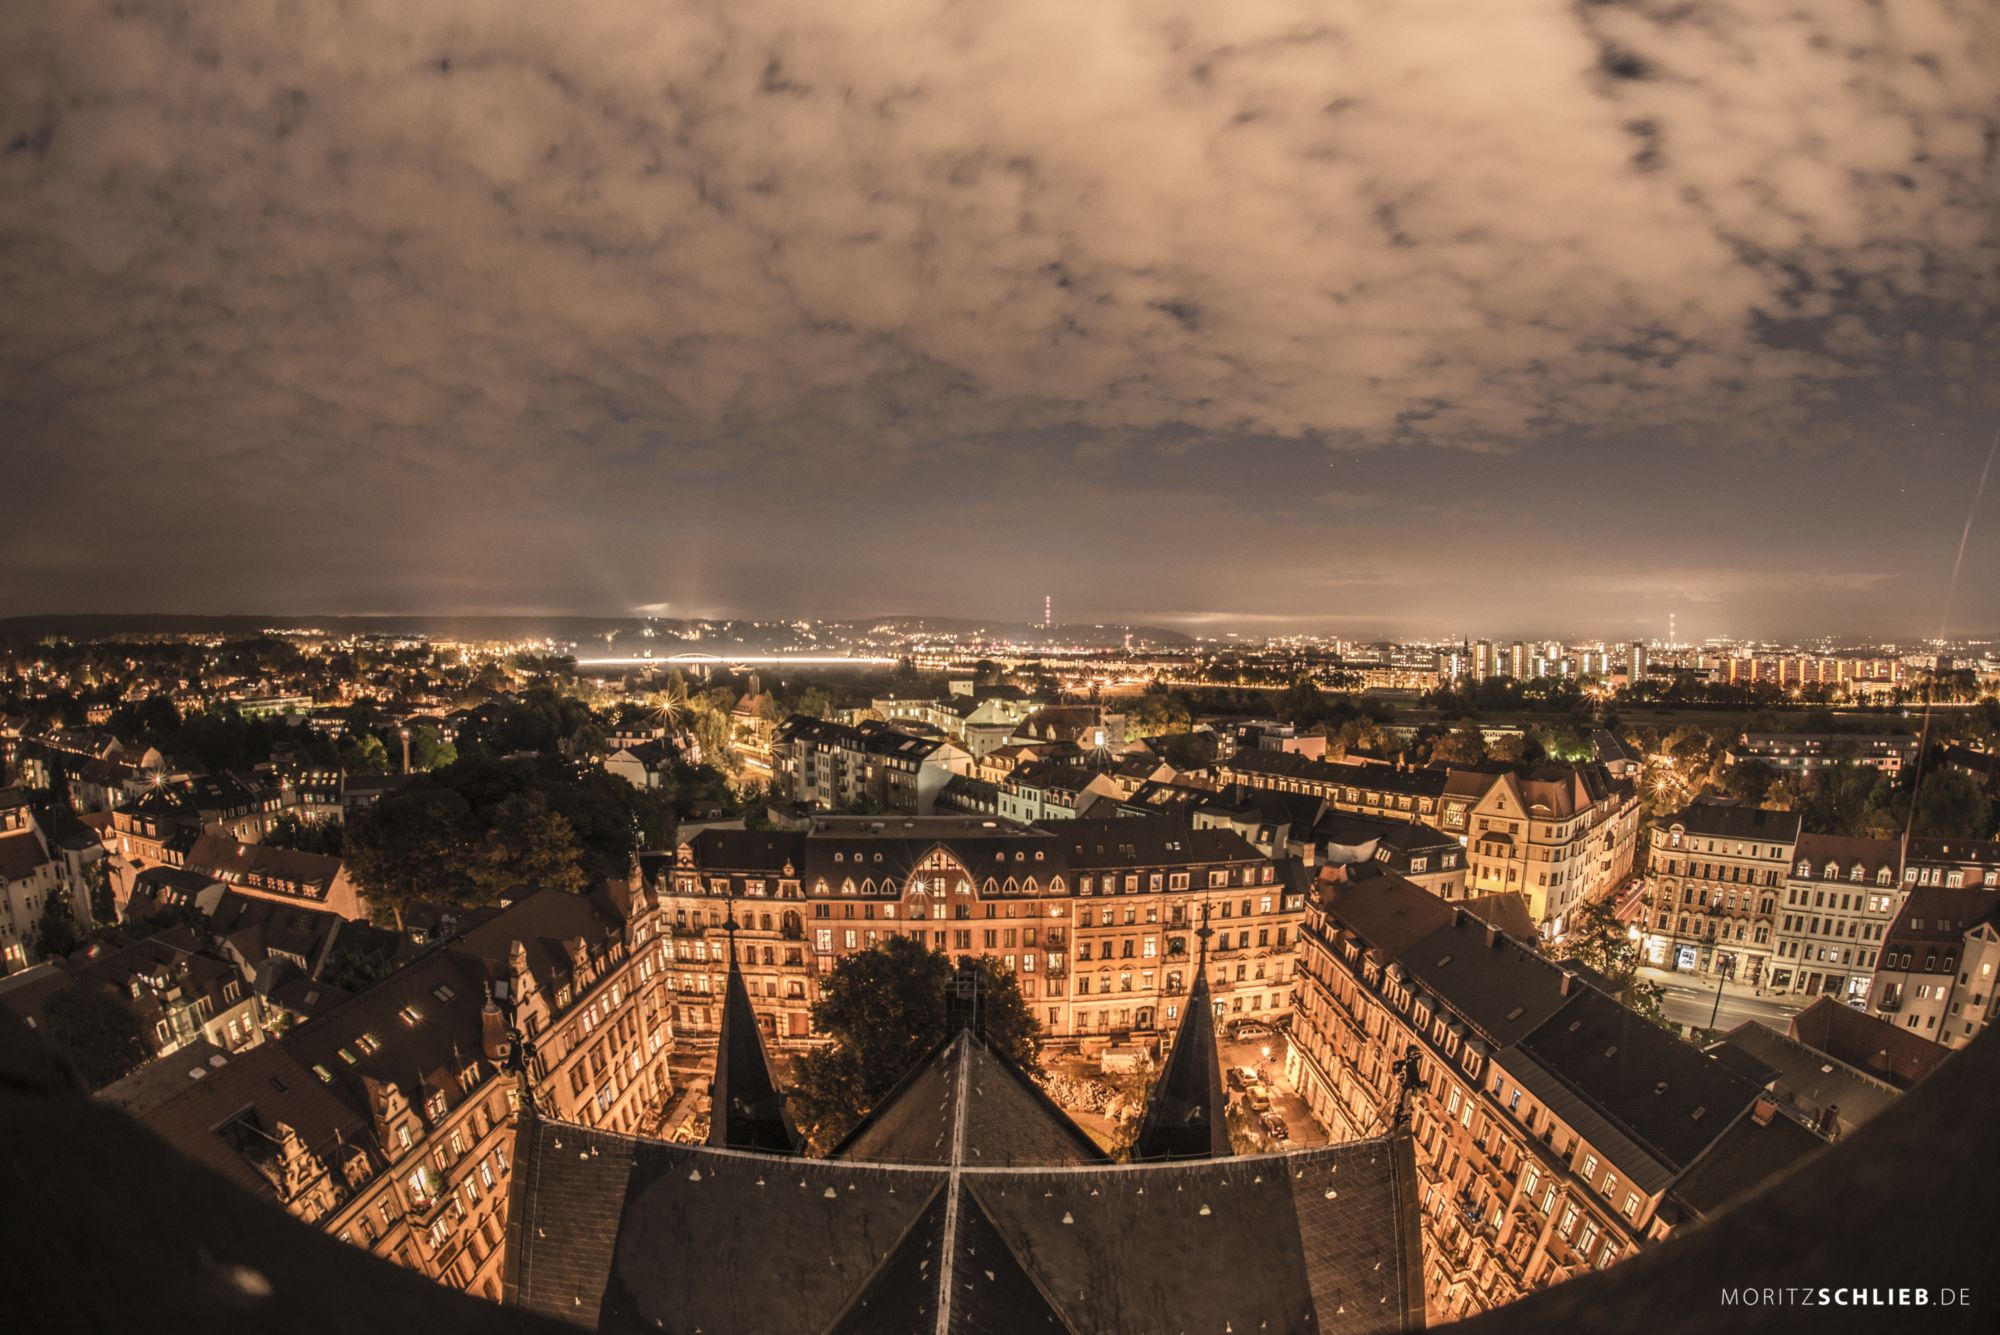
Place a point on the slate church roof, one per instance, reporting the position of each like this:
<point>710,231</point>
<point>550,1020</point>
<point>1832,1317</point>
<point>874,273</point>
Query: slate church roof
<point>965,1202</point>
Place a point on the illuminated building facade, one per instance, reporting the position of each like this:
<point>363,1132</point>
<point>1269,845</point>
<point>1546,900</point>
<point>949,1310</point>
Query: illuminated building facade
<point>1555,1132</point>
<point>1715,872</point>
<point>389,1121</point>
<point>1093,917</point>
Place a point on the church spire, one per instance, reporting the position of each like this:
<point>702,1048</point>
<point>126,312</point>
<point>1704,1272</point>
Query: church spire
<point>1186,1117</point>
<point>747,1112</point>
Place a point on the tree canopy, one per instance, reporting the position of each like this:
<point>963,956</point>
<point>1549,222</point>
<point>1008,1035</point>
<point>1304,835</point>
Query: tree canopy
<point>884,1009</point>
<point>98,1031</point>
<point>1598,941</point>
<point>466,833</point>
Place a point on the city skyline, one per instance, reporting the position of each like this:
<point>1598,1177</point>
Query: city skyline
<point>1572,316</point>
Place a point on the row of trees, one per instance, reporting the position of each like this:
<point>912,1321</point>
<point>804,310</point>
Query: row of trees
<point>467,833</point>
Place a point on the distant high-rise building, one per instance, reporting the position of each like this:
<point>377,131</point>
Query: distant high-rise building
<point>1518,665</point>
<point>1635,667</point>
<point>1482,660</point>
<point>1048,612</point>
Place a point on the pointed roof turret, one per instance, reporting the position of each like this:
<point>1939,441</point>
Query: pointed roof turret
<point>747,1112</point>
<point>1186,1117</point>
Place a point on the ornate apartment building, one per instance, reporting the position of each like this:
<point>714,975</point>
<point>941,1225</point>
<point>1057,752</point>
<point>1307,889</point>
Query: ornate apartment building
<point>1841,896</point>
<point>1561,836</point>
<point>388,1121</point>
<point>1095,918</point>
<point>1555,1131</point>
<point>1715,872</point>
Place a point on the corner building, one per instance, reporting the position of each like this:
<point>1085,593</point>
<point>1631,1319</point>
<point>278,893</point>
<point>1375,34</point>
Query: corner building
<point>1555,1132</point>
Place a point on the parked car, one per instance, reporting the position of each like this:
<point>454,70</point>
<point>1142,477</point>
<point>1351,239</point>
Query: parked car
<point>1242,1077</point>
<point>1274,1126</point>
<point>1258,1098</point>
<point>1250,1030</point>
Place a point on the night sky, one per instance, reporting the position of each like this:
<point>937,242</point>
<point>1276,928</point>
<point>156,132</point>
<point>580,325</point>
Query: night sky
<point>1384,318</point>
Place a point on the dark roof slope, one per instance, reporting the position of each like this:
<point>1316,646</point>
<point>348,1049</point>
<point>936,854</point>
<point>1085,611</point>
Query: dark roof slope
<point>1668,1096</point>
<point>1815,1083</point>
<point>1185,1116</point>
<point>1869,1043</point>
<point>1748,1155</point>
<point>1731,820</point>
<point>1500,987</point>
<point>636,1235</point>
<point>1008,1120</point>
<point>992,1292</point>
<point>1322,1239</point>
<point>1316,1240</point>
<point>1388,912</point>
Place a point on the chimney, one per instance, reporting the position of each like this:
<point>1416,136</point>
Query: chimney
<point>1763,1110</point>
<point>1492,935</point>
<point>1568,982</point>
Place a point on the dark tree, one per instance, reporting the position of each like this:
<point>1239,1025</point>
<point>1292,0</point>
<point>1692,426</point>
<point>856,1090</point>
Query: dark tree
<point>1951,806</point>
<point>98,1031</point>
<point>885,1009</point>
<point>56,934</point>
<point>1597,940</point>
<point>1749,780</point>
<point>413,846</point>
<point>1463,745</point>
<point>528,844</point>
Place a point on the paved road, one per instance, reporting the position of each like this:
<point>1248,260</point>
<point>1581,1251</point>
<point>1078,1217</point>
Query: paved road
<point>1691,1001</point>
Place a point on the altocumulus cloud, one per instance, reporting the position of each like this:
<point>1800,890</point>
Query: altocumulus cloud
<point>278,261</point>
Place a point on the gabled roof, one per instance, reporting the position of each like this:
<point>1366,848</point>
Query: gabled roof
<point>964,1091</point>
<point>1664,1094</point>
<point>1324,1239</point>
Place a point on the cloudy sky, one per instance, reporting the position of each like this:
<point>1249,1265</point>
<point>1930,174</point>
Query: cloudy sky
<point>1375,315</point>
